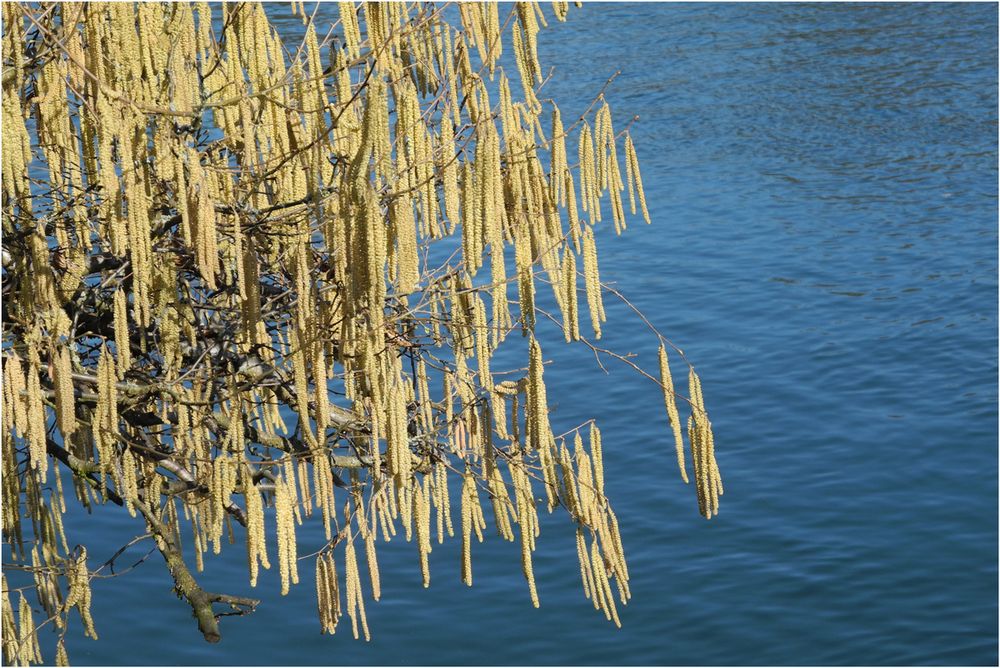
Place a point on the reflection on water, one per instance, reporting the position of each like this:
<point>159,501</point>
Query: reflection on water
<point>823,182</point>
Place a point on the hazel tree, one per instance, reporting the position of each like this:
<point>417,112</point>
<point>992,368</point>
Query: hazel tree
<point>251,284</point>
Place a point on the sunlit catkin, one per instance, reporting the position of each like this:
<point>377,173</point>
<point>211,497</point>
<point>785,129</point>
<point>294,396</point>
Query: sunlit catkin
<point>352,32</point>
<point>327,592</point>
<point>15,406</point>
<point>62,658</point>
<point>37,432</point>
<point>568,488</point>
<point>422,513</point>
<point>571,320</point>
<point>586,574</point>
<point>355,600</point>
<point>589,187</point>
<point>65,402</point>
<point>285,519</point>
<point>468,491</point>
<point>256,540</point>
<point>78,579</point>
<point>368,535</point>
<point>669,399</point>
<point>537,411</point>
<point>602,584</point>
<point>558,165</point>
<point>592,282</point>
<point>28,651</point>
<point>123,346</point>
<point>634,177</point>
<point>597,457</point>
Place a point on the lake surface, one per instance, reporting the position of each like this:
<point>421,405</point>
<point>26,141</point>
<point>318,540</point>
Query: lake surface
<point>823,185</point>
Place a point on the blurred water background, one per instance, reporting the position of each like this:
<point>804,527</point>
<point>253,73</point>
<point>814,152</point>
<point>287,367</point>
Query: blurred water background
<point>823,185</point>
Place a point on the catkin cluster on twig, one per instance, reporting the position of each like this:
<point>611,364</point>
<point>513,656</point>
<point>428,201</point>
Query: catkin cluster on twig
<point>224,293</point>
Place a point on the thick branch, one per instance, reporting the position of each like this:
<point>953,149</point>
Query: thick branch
<point>185,584</point>
<point>85,470</point>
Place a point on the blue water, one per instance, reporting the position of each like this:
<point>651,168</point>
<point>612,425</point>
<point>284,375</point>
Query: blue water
<point>823,184</point>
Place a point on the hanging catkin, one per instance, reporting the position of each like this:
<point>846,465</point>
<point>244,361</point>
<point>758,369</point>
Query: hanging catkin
<point>285,519</point>
<point>327,592</point>
<point>28,650</point>
<point>634,177</point>
<point>592,281</point>
<point>571,321</point>
<point>256,540</point>
<point>589,186</point>
<point>36,411</point>
<point>355,600</point>
<point>536,410</point>
<point>78,579</point>
<point>669,400</point>
<point>123,346</point>
<point>597,456</point>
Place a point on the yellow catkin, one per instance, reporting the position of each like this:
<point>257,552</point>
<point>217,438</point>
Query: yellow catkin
<point>422,511</point>
<point>621,566</point>
<point>15,405</point>
<point>670,401</point>
<point>445,507</point>
<point>36,411</point>
<point>526,565</point>
<point>370,555</point>
<point>9,625</point>
<point>589,188</point>
<point>713,480</point>
<point>65,402</point>
<point>333,587</point>
<point>285,520</point>
<point>569,490</point>
<point>597,457</point>
<point>129,491</point>
<point>585,480</point>
<point>558,164</point>
<point>483,352</point>
<point>592,282</point>
<point>571,320</point>
<point>17,143</point>
<point>500,499</point>
<point>547,460</point>
<point>449,165</point>
<point>694,438</point>
<point>537,406</point>
<point>62,658</point>
<point>586,574</point>
<point>407,258</point>
<point>472,217</point>
<point>708,481</point>
<point>601,122</point>
<point>327,593</point>
<point>468,494</point>
<point>79,592</point>
<point>355,600</point>
<point>305,498</point>
<point>45,588</point>
<point>27,635</point>
<point>635,178</point>
<point>256,540</point>
<point>352,32</point>
<point>122,345</point>
<point>601,584</point>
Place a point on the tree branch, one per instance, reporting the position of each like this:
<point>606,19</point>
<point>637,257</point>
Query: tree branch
<point>184,583</point>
